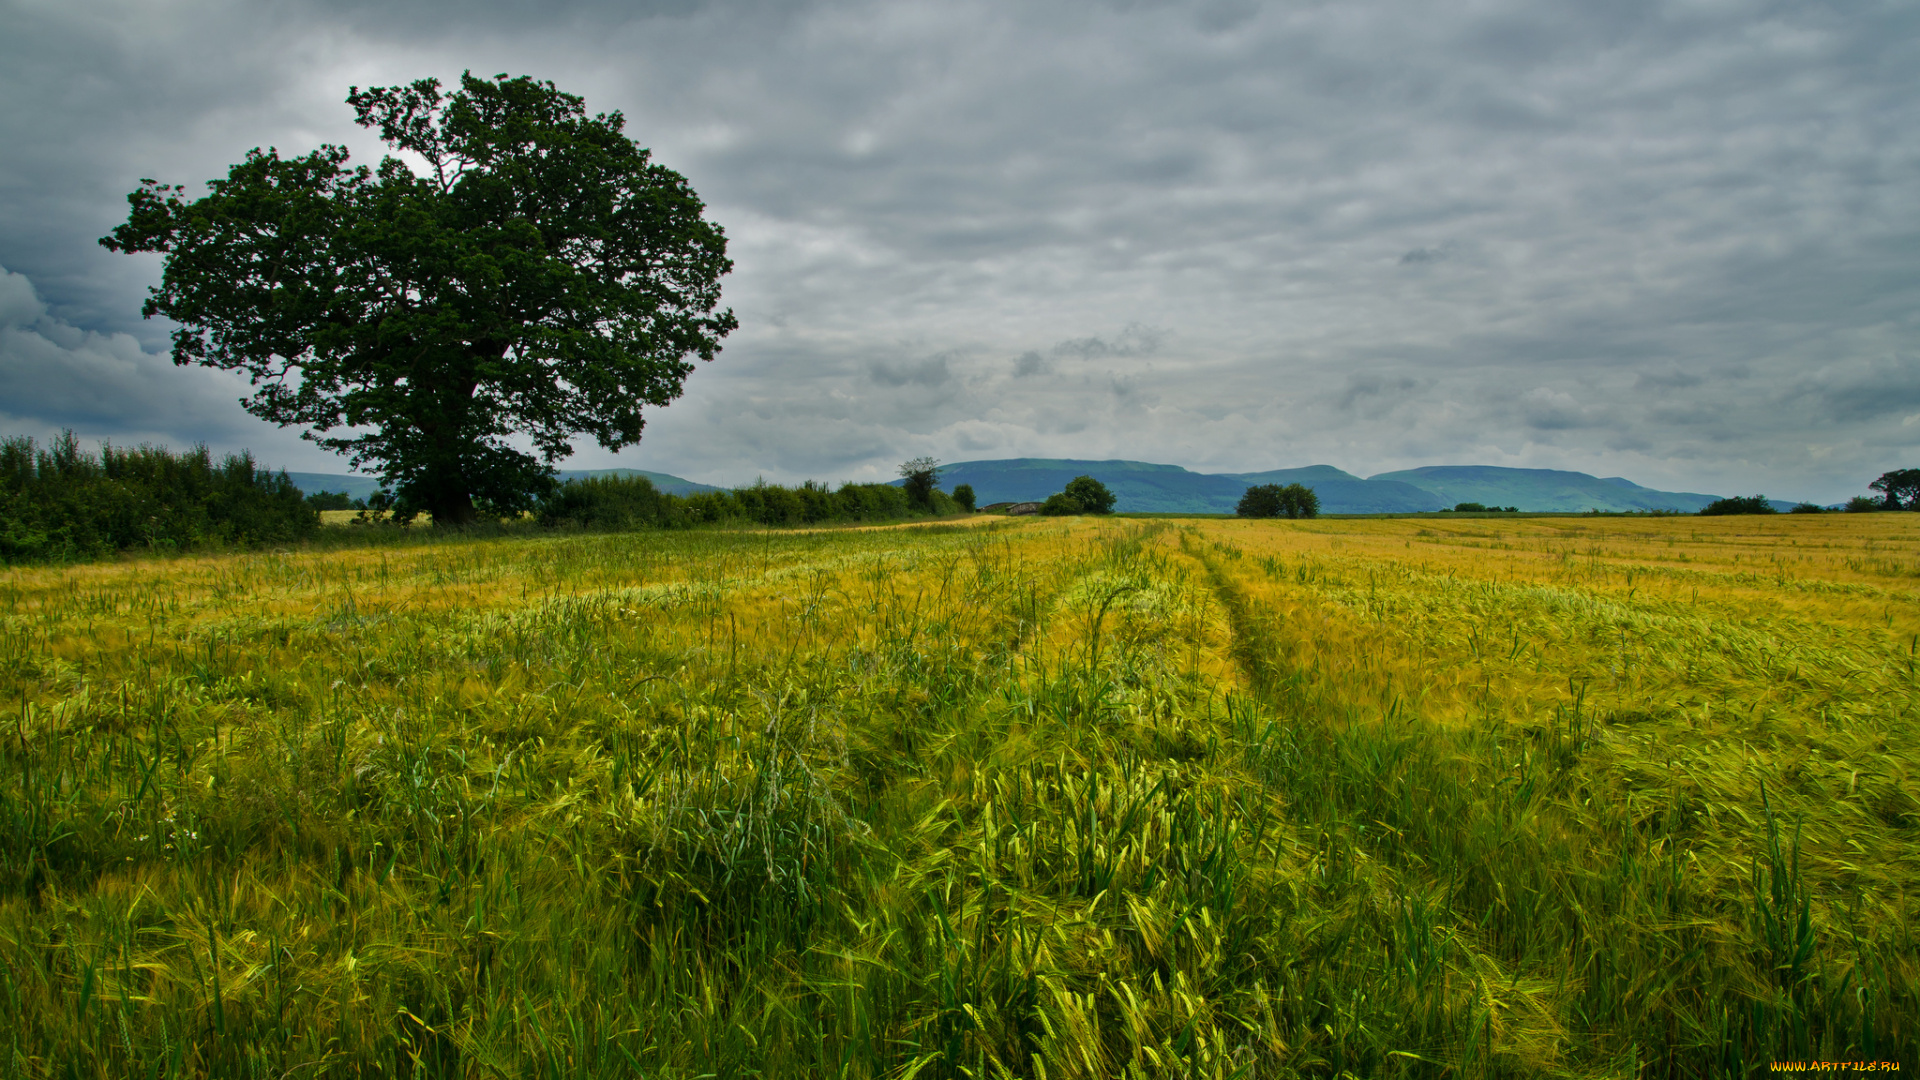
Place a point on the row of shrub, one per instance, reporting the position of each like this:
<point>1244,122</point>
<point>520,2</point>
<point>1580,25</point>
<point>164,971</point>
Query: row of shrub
<point>633,502</point>
<point>60,502</point>
<point>1760,504</point>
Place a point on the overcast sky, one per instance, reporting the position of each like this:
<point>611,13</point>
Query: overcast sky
<point>1675,242</point>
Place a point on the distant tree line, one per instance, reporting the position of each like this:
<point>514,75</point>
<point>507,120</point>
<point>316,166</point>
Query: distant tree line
<point>633,502</point>
<point>1899,490</point>
<point>61,502</point>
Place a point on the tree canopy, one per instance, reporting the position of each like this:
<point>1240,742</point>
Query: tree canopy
<point>1082,495</point>
<point>1273,500</point>
<point>919,474</point>
<point>542,279</point>
<point>1900,488</point>
<point>1738,504</point>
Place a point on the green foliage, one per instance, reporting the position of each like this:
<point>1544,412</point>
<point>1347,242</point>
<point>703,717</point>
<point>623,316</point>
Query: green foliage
<point>1083,495</point>
<point>1273,500</point>
<point>1808,508</point>
<point>543,278</point>
<point>334,500</point>
<point>963,497</point>
<point>1091,494</point>
<point>1863,504</point>
<point>63,503</point>
<point>1260,501</point>
<point>1738,504</point>
<point>617,503</point>
<point>919,475</point>
<point>1900,488</point>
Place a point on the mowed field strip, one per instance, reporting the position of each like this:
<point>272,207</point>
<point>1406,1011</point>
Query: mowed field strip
<point>1595,797</point>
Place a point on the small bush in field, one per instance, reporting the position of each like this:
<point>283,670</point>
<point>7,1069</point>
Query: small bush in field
<point>1739,504</point>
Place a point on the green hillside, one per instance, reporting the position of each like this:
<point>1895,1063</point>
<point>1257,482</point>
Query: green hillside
<point>359,487</point>
<point>1542,490</point>
<point>1141,487</point>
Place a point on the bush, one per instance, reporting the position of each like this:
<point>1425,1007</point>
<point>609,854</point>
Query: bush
<point>621,502</point>
<point>1808,508</point>
<point>610,502</point>
<point>1059,504</point>
<point>1863,504</point>
<point>1739,504</point>
<point>963,497</point>
<point>1469,508</point>
<point>334,500</point>
<point>64,503</point>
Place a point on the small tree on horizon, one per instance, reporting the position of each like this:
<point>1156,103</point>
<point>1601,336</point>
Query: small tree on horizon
<point>1900,488</point>
<point>1092,495</point>
<point>963,494</point>
<point>1272,500</point>
<point>919,474</point>
<point>1083,495</point>
<point>1299,501</point>
<point>1260,501</point>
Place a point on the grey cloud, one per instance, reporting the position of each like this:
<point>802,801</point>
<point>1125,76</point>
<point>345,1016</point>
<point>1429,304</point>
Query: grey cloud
<point>56,376</point>
<point>1375,389</point>
<point>931,371</point>
<point>1133,341</point>
<point>1030,363</point>
<point>1674,379</point>
<point>1875,391</point>
<point>1554,410</point>
<point>1403,212</point>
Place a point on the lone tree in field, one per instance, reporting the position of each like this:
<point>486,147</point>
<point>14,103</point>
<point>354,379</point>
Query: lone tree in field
<point>919,475</point>
<point>1901,489</point>
<point>1272,500</point>
<point>1083,495</point>
<point>542,278</point>
<point>1260,501</point>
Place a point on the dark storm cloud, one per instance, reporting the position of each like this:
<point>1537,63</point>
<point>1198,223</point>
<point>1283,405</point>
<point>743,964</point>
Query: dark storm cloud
<point>1544,234</point>
<point>55,376</point>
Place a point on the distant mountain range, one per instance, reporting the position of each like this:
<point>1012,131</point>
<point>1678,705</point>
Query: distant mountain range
<point>359,487</point>
<point>1143,487</point>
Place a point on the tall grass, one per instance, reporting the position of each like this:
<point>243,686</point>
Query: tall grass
<point>1060,799</point>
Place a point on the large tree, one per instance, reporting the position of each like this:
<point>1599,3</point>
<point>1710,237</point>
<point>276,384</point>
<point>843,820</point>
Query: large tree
<point>539,277</point>
<point>1900,487</point>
